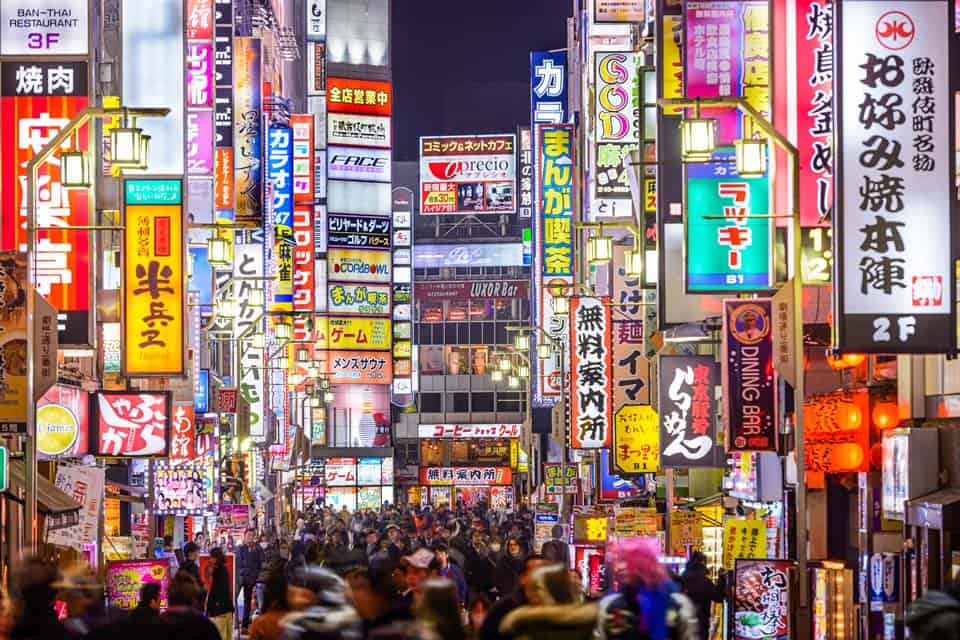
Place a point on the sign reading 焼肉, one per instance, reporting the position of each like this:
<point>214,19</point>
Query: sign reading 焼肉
<point>895,205</point>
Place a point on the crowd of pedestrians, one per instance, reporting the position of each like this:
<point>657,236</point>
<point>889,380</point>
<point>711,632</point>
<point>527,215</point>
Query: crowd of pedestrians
<point>397,574</point>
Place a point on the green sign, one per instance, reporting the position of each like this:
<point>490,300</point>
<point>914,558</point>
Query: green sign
<point>4,469</point>
<point>727,250</point>
<point>153,191</point>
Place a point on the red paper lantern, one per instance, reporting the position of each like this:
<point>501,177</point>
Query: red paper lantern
<point>885,415</point>
<point>849,416</point>
<point>846,457</point>
<point>846,361</point>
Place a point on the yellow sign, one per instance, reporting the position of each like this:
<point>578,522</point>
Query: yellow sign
<point>650,195</point>
<point>672,65</point>
<point>57,429</point>
<point>743,539</point>
<point>13,343</point>
<point>153,292</point>
<point>686,530</point>
<point>358,265</point>
<point>636,440</point>
<point>354,333</point>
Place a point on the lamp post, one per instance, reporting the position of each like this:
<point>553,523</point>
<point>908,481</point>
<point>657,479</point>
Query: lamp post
<point>33,168</point>
<point>798,391</point>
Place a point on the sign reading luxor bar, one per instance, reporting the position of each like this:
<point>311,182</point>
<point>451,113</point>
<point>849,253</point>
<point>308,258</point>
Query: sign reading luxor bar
<point>895,212</point>
<point>688,430</point>
<point>748,383</point>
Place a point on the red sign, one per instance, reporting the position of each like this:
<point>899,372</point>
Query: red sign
<point>199,19</point>
<point>302,126</point>
<point>38,100</point>
<point>223,178</point>
<point>227,399</point>
<point>467,290</point>
<point>461,476</point>
<point>206,571</point>
<point>132,424</point>
<point>346,95</point>
<point>303,258</point>
<point>183,433</point>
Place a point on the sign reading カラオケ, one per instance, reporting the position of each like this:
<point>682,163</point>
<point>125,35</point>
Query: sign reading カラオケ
<point>895,275</point>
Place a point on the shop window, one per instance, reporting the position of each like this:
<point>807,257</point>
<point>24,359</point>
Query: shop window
<point>482,402</point>
<point>431,403</point>
<point>431,312</point>
<point>431,361</point>
<point>509,402</point>
<point>476,333</point>
<point>502,335</point>
<point>450,334</point>
<point>463,333</point>
<point>460,402</point>
<point>489,333</point>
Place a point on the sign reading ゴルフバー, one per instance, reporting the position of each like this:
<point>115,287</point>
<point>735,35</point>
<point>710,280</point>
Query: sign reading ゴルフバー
<point>750,392</point>
<point>895,170</point>
<point>468,174</point>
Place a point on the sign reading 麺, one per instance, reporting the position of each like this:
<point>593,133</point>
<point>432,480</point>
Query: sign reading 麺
<point>153,291</point>
<point>895,213</point>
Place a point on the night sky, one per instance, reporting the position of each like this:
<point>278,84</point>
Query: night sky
<point>464,66</point>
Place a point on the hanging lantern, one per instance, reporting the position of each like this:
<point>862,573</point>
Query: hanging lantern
<point>846,457</point>
<point>849,416</point>
<point>885,415</point>
<point>751,158</point>
<point>845,361</point>
<point>697,139</point>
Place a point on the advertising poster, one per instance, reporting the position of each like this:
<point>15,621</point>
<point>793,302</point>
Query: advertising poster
<point>131,424</point>
<point>85,486</point>
<point>233,520</point>
<point>125,577</point>
<point>544,520</point>
<point>358,265</point>
<point>686,530</point>
<point>38,99</point>
<point>206,564</point>
<point>733,252</point>
<point>13,342</point>
<point>185,488</point>
<point>247,101</point>
<point>895,214</point>
<point>618,11</point>
<point>636,440</point>
<point>468,174</point>
<point>749,389</point>
<point>688,422</point>
<point>354,163</point>
<point>154,302</point>
<point>743,539</point>
<point>591,360</point>
<point>761,599</point>
<point>612,486</point>
<point>354,333</point>
<point>63,422</point>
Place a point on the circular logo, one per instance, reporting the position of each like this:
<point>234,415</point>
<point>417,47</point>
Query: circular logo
<point>57,429</point>
<point>894,30</point>
<point>749,324</point>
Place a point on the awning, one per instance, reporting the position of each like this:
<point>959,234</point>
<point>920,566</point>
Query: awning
<point>60,509</point>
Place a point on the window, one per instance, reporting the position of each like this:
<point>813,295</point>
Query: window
<point>483,402</point>
<point>431,403</point>
<point>458,402</point>
<point>509,402</point>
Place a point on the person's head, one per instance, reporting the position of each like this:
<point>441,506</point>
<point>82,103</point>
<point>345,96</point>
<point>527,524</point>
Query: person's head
<point>275,591</point>
<point>283,550</point>
<point>532,563</point>
<point>393,533</point>
<point>514,549</point>
<point>436,605</point>
<point>191,551</point>
<point>371,536</point>
<point>150,595</point>
<point>635,563</point>
<point>249,537</point>
<point>218,558</point>
<point>549,585</point>
<point>417,568</point>
<point>33,581</point>
<point>557,532</point>
<point>442,552</point>
<point>372,588</point>
<point>79,588</point>
<point>184,591</point>
<point>476,538</point>
<point>478,608</point>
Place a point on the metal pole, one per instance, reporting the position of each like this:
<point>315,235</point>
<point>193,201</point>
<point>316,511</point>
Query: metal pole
<point>563,417</point>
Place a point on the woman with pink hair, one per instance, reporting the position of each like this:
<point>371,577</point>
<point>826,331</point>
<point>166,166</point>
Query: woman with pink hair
<point>647,605</point>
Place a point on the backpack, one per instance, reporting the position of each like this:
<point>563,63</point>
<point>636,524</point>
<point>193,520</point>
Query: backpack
<point>669,615</point>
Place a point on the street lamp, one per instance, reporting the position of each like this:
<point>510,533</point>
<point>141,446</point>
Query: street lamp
<point>751,156</point>
<point>315,402</point>
<point>633,262</point>
<point>505,364</point>
<point>218,252</point>
<point>521,342</point>
<point>524,371</point>
<point>226,308</point>
<point>258,340</point>
<point>283,331</point>
<point>324,384</point>
<point>544,350</point>
<point>75,170</point>
<point>561,304</point>
<point>496,375</point>
<point>514,382</point>
<point>328,397</point>
<point>127,145</point>
<point>697,138</point>
<point>599,249</point>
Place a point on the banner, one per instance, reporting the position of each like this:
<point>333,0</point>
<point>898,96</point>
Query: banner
<point>466,476</point>
<point>132,424</point>
<point>731,251</point>
<point>636,440</point>
<point>749,387</point>
<point>85,486</point>
<point>895,214</point>
<point>468,174</point>
<point>688,428</point>
<point>303,178</point>
<point>368,97</point>
<point>591,392</point>
<point>356,367</point>
<point>247,102</point>
<point>248,273</point>
<point>617,122</point>
<point>470,431</point>
<point>185,488</point>
<point>743,539</point>
<point>836,432</point>
<point>761,599</point>
<point>125,577</point>
<point>548,86</point>
<point>154,305</point>
<point>354,333</point>
<point>183,433</point>
<point>618,11</point>
<point>304,267</point>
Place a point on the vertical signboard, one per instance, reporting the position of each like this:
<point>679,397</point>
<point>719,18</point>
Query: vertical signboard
<point>617,124</point>
<point>302,125</point>
<point>247,102</point>
<point>749,387</point>
<point>762,599</point>
<point>280,180</point>
<point>632,385</point>
<point>895,170</point>
<point>591,359</point>
<point>13,342</point>
<point>38,99</point>
<point>223,185</point>
<point>525,173</point>
<point>688,428</point>
<point>728,244</point>
<point>248,275</point>
<point>548,83</point>
<point>153,280</point>
<point>303,259</point>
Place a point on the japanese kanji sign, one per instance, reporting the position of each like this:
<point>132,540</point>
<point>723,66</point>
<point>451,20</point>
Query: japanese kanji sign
<point>762,599</point>
<point>591,376</point>
<point>618,11</point>
<point>153,280</point>
<point>525,172</point>
<point>366,299</point>
<point>688,429</point>
<point>132,424</point>
<point>743,539</point>
<point>632,379</point>
<point>13,343</point>
<point>360,130</point>
<point>895,208</point>
<point>85,486</point>
<point>38,99</point>
<point>617,122</point>
<point>836,432</point>
<point>347,95</point>
<point>636,440</point>
<point>248,272</point>
<point>183,433</point>
<point>247,103</point>
<point>468,174</point>
<point>732,252</point>
<point>463,476</point>
<point>749,387</point>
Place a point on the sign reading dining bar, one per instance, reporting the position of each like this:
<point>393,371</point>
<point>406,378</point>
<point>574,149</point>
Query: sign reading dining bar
<point>895,214</point>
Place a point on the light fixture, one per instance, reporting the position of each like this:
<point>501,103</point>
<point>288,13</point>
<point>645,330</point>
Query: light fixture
<point>75,170</point>
<point>144,151</point>
<point>282,331</point>
<point>315,402</point>
<point>561,305</point>
<point>296,379</point>
<point>218,252</point>
<point>599,249</point>
<point>258,340</point>
<point>524,371</point>
<point>496,375</point>
<point>126,144</point>
<point>751,158</point>
<point>697,138</point>
<point>303,355</point>
<point>235,443</point>
<point>505,364</point>
<point>324,384</point>
<point>246,444</point>
<point>254,296</point>
<point>514,382</point>
<point>544,350</point>
<point>282,363</point>
<point>226,308</point>
<point>521,342</point>
<point>328,397</point>
<point>313,371</point>
<point>633,262</point>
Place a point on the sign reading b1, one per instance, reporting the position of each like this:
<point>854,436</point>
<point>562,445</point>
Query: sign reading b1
<point>44,27</point>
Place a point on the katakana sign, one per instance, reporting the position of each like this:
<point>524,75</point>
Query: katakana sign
<point>749,384</point>
<point>468,174</point>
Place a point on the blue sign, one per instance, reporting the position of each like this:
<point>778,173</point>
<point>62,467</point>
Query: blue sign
<point>613,487</point>
<point>884,579</point>
<point>280,177</point>
<point>201,275</point>
<point>548,87</point>
<point>201,392</point>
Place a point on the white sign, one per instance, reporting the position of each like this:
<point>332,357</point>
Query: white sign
<point>468,174</point>
<point>469,430</point>
<point>354,163</point>
<point>316,20</point>
<point>372,198</point>
<point>248,272</point>
<point>362,130</point>
<point>501,254</point>
<point>85,486</point>
<point>44,27</point>
<point>895,266</point>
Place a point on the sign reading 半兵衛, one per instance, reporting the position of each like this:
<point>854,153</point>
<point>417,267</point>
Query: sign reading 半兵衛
<point>749,387</point>
<point>38,99</point>
<point>688,429</point>
<point>895,204</point>
<point>469,431</point>
<point>728,243</point>
<point>591,393</point>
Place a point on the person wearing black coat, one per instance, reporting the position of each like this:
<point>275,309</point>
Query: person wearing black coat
<point>219,605</point>
<point>701,590</point>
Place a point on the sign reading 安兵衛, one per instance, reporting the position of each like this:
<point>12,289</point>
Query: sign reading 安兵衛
<point>895,213</point>
<point>44,27</point>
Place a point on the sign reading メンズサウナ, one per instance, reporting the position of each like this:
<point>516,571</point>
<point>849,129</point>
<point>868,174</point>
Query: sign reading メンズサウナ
<point>468,174</point>
<point>895,277</point>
